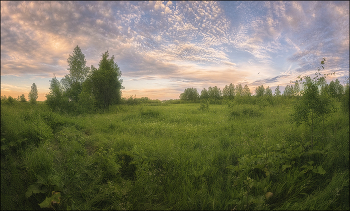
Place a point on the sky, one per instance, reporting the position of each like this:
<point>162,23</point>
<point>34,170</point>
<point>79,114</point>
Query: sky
<point>162,48</point>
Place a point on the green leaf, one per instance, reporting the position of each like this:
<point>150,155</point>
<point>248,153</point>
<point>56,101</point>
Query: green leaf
<point>46,203</point>
<point>231,167</point>
<point>305,166</point>
<point>284,167</point>
<point>35,188</point>
<point>303,171</point>
<point>319,170</point>
<point>55,198</point>
<point>4,147</point>
<point>267,172</point>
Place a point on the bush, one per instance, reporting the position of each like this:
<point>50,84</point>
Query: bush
<point>246,111</point>
<point>10,100</point>
<point>54,120</point>
<point>345,101</point>
<point>204,106</point>
<point>149,113</point>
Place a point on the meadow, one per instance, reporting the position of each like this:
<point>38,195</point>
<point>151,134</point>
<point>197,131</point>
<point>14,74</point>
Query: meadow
<point>228,156</point>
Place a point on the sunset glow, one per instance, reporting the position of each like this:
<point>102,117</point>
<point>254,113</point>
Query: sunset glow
<point>164,47</point>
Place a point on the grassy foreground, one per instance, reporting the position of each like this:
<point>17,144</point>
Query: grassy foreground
<point>172,156</point>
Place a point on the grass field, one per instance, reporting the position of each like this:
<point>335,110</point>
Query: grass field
<point>173,156</point>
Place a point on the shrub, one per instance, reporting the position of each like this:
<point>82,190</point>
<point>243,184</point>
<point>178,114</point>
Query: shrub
<point>149,113</point>
<point>11,100</point>
<point>246,111</point>
<point>345,101</point>
<point>204,106</point>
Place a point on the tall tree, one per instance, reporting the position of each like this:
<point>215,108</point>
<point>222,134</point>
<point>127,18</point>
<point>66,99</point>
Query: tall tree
<point>339,88</point>
<point>268,92</point>
<point>288,91</point>
<point>345,100</point>
<point>296,89</point>
<point>229,91</point>
<point>246,91</point>
<point>259,91</point>
<point>312,105</point>
<point>190,94</point>
<point>204,94</point>
<point>332,89</point>
<point>106,82</point>
<point>78,72</point>
<point>87,100</point>
<point>214,93</point>
<point>22,99</point>
<point>33,94</point>
<point>277,91</point>
<point>55,99</point>
<point>239,90</point>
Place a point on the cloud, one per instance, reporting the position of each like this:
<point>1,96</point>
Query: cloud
<point>268,80</point>
<point>181,41</point>
<point>144,78</point>
<point>46,32</point>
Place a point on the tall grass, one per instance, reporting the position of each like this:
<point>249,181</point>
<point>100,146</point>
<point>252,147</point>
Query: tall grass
<point>179,156</point>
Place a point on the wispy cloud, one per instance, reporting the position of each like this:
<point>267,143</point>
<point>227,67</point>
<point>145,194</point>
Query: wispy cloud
<point>188,42</point>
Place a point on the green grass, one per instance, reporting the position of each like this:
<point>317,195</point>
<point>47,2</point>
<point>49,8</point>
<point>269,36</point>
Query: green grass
<point>173,156</point>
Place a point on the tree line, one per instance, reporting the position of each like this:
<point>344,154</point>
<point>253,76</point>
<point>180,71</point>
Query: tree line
<point>87,89</point>
<point>32,96</point>
<point>229,92</point>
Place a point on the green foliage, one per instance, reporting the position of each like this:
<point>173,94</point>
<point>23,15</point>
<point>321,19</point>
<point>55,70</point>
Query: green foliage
<point>20,130</point>
<point>268,92</point>
<point>239,90</point>
<point>128,167</point>
<point>85,90</point>
<point>204,106</point>
<point>296,88</point>
<point>87,101</point>
<point>33,94</point>
<point>131,101</point>
<point>174,157</point>
<point>247,111</point>
<point>333,89</point>
<point>214,93</point>
<point>288,91</point>
<point>106,82</point>
<point>190,94</point>
<point>229,91</point>
<point>312,105</point>
<point>172,101</point>
<point>50,201</point>
<point>35,188</point>
<point>56,99</point>
<point>246,91</point>
<point>22,99</point>
<point>149,113</point>
<point>260,91</point>
<point>10,100</point>
<point>78,72</point>
<point>204,94</point>
<point>345,100</point>
<point>3,99</point>
<point>277,91</point>
<point>144,101</point>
